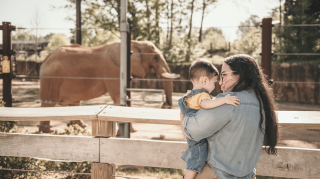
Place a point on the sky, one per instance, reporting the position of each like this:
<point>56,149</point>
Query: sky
<point>227,14</point>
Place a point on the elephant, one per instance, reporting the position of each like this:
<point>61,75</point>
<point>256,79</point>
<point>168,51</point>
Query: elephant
<point>76,61</point>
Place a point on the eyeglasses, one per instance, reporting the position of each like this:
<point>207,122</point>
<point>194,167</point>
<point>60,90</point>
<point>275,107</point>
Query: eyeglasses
<point>221,78</point>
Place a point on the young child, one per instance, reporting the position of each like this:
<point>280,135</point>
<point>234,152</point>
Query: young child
<point>203,75</point>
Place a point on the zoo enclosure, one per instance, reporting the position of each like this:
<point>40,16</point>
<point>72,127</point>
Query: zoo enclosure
<point>295,85</point>
<point>105,151</point>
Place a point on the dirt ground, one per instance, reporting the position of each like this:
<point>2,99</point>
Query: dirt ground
<point>26,94</point>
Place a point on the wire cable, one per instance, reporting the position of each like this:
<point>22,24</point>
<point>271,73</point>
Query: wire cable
<point>301,54</point>
<point>101,78</point>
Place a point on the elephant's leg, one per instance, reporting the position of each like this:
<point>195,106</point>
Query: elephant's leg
<point>49,94</point>
<point>79,122</point>
<point>114,91</point>
<point>132,130</point>
<point>113,87</point>
<point>44,125</point>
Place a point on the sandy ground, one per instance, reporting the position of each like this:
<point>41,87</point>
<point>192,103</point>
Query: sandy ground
<point>26,94</point>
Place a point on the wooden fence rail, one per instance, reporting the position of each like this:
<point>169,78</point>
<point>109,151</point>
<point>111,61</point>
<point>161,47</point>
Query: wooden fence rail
<point>290,162</point>
<point>287,119</point>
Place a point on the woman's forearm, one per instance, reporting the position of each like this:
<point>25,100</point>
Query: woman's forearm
<point>207,122</point>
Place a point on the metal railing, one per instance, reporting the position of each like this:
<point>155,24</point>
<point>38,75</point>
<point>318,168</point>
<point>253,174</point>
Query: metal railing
<point>144,94</point>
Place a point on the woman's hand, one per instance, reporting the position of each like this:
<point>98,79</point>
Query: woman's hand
<point>181,126</point>
<point>181,116</point>
<point>233,100</point>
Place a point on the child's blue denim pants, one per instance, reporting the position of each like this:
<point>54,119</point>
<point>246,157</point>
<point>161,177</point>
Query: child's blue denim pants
<point>196,154</point>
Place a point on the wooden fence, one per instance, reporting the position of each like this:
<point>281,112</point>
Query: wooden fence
<point>105,151</point>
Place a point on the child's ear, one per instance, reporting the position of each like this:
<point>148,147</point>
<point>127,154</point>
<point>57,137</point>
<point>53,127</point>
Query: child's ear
<point>205,79</point>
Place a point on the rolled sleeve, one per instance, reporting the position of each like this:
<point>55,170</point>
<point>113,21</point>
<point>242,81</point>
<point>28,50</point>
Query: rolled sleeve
<point>203,96</point>
<point>207,122</point>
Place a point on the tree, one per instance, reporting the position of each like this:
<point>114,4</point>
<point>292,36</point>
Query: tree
<point>299,39</point>
<point>246,26</point>
<point>205,5</point>
<point>56,41</point>
<point>36,22</point>
<point>214,39</point>
<point>22,34</point>
<point>143,15</point>
<point>249,41</point>
<point>192,7</point>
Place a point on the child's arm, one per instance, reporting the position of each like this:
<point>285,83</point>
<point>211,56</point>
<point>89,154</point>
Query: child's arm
<point>208,104</point>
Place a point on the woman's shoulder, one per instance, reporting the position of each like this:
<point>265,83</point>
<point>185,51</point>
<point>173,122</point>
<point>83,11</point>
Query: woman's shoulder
<point>245,97</point>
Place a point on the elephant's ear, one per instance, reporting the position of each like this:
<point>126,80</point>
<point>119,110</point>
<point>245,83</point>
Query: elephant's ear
<point>136,62</point>
<point>114,54</point>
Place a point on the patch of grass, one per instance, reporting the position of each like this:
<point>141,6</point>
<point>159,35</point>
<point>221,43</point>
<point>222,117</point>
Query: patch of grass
<point>267,177</point>
<point>32,91</point>
<point>150,172</point>
<point>2,103</point>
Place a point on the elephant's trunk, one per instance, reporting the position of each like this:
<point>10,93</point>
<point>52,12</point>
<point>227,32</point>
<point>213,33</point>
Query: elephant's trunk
<point>164,72</point>
<point>167,85</point>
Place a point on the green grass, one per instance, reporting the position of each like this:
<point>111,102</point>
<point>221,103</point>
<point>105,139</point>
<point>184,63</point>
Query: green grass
<point>267,177</point>
<point>32,91</point>
<point>150,172</point>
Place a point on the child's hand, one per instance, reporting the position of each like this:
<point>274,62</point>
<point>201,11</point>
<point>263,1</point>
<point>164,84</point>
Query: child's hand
<point>233,100</point>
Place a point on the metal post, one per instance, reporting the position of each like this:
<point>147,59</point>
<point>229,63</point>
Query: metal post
<point>129,65</point>
<point>280,28</point>
<point>266,46</point>
<point>124,29</point>
<point>7,73</point>
<point>78,21</point>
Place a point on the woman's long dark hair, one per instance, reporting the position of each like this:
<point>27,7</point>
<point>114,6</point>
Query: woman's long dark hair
<point>252,77</point>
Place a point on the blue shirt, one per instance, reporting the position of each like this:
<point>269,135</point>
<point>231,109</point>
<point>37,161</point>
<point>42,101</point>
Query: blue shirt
<point>233,133</point>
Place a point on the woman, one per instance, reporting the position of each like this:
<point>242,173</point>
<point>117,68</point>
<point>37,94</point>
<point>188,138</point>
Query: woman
<point>237,134</point>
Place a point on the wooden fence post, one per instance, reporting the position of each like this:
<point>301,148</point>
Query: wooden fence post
<point>266,46</point>
<point>103,129</point>
<point>78,22</point>
<point>7,74</point>
<point>103,171</point>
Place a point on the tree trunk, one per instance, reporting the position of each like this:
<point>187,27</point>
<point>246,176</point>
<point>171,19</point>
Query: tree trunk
<point>189,34</point>
<point>203,10</point>
<point>148,19</point>
<point>157,23</point>
<point>171,25</point>
<point>167,2</point>
<point>118,11</point>
<point>134,20</point>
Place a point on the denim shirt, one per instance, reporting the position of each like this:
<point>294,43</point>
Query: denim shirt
<point>233,133</point>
